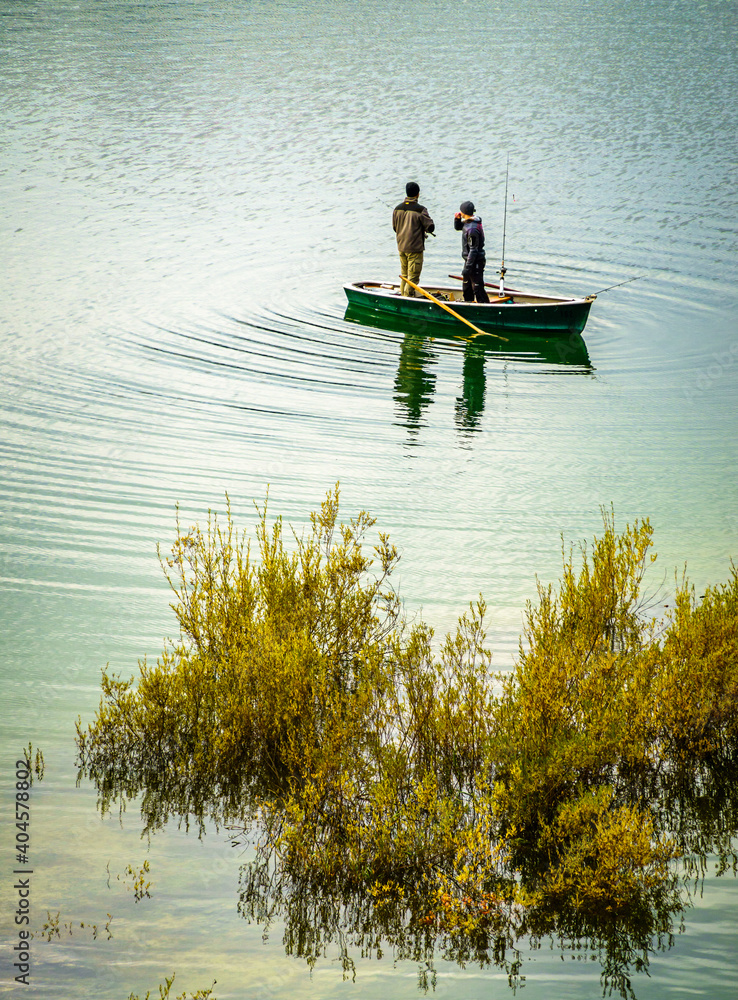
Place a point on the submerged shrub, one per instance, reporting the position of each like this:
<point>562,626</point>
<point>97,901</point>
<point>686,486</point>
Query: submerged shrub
<point>380,770</point>
<point>575,711</point>
<point>276,655</point>
<point>696,691</point>
<point>605,858</point>
<point>165,991</point>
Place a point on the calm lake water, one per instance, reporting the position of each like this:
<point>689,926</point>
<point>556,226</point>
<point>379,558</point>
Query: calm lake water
<point>184,188</point>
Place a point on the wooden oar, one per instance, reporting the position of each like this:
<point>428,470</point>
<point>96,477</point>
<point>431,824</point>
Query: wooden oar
<point>448,309</point>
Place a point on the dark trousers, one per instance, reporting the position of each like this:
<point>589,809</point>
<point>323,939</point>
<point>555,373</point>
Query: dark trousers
<point>474,282</point>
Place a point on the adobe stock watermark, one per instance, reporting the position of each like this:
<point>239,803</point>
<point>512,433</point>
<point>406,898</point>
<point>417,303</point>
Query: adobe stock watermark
<point>708,376</point>
<point>22,871</point>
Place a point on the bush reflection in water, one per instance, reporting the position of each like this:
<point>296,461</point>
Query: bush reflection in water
<point>403,796</point>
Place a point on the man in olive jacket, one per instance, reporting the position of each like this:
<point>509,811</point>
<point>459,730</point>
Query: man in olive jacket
<point>411,222</point>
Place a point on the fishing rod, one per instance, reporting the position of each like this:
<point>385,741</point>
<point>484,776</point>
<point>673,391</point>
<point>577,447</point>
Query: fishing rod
<point>619,284</point>
<point>503,269</point>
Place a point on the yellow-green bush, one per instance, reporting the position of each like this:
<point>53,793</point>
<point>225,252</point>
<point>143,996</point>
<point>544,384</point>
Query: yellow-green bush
<point>383,766</point>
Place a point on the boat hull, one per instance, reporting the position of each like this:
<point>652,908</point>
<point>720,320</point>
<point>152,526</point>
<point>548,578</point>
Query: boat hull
<point>527,313</point>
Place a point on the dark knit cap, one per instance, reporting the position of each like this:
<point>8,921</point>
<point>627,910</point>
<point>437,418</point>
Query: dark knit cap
<point>467,208</point>
<point>412,190</point>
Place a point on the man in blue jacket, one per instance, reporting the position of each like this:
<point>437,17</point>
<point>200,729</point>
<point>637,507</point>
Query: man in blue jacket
<point>472,250</point>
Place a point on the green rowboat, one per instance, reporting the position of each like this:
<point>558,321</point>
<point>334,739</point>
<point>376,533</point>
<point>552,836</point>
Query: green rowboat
<point>519,312</point>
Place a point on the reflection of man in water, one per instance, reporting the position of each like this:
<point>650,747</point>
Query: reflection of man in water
<point>470,404</point>
<point>411,222</point>
<point>415,381</point>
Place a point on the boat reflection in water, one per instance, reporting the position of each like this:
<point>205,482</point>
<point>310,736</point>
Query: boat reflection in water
<point>415,381</point>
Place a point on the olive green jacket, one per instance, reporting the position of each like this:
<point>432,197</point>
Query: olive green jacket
<point>411,222</point>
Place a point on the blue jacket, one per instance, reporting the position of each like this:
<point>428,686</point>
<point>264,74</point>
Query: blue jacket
<point>472,240</point>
